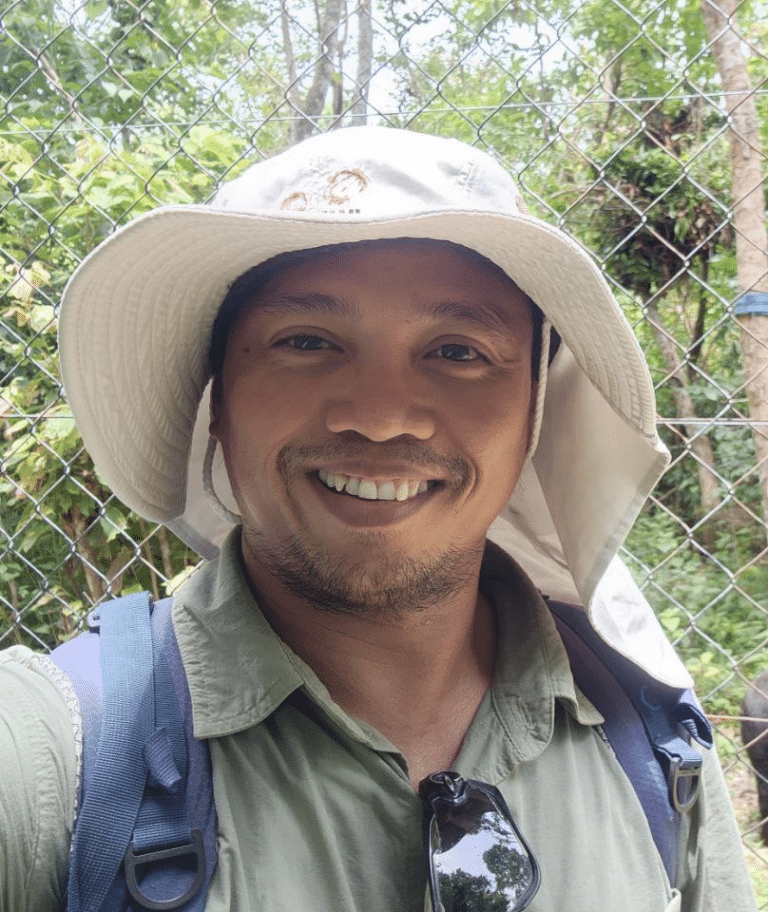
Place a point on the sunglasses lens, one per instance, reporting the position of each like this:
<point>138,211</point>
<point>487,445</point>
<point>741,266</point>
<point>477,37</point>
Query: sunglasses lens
<point>479,859</point>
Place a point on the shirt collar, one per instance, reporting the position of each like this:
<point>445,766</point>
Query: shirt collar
<point>532,677</point>
<point>239,670</point>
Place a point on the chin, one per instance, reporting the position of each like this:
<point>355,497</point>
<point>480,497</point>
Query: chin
<point>383,580</point>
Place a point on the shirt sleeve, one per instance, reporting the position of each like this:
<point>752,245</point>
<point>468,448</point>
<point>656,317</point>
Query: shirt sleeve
<point>38,785</point>
<point>713,870</point>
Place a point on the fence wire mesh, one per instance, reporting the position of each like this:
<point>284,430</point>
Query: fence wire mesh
<point>639,128</point>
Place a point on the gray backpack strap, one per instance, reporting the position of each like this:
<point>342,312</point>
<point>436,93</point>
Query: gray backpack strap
<point>145,837</point>
<point>647,724</point>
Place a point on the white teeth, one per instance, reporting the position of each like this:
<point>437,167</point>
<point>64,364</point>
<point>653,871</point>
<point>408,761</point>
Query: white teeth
<point>353,486</point>
<point>387,490</point>
<point>367,490</point>
<point>370,490</point>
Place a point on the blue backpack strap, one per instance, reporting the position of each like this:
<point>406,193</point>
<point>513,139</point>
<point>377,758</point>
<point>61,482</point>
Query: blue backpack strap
<point>173,853</point>
<point>145,836</point>
<point>643,721</point>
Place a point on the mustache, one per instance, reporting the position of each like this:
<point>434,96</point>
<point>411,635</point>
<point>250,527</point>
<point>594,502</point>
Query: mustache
<point>450,467</point>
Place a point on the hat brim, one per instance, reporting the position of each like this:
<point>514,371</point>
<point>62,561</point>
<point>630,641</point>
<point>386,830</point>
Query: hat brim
<point>137,316</point>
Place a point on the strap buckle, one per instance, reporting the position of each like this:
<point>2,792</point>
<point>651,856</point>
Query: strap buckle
<point>134,860</point>
<point>683,779</point>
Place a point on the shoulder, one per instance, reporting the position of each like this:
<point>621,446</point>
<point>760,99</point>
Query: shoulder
<point>38,785</point>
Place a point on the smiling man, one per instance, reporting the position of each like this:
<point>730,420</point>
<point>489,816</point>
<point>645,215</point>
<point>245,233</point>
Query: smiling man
<point>394,410</point>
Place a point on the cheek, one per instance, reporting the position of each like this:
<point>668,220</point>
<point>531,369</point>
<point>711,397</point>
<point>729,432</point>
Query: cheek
<point>499,418</point>
<point>496,431</point>
<point>257,417</point>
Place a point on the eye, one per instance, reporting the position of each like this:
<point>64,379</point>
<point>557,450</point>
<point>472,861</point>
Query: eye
<point>305,342</point>
<point>456,351</point>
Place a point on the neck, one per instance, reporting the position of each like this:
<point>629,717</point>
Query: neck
<point>417,676</point>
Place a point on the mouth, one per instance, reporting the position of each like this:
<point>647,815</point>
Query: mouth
<point>394,489</point>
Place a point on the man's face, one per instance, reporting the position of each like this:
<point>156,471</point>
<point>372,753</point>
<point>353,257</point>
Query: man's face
<point>374,411</point>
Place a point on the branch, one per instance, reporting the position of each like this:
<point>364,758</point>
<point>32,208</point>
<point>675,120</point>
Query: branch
<point>53,79</point>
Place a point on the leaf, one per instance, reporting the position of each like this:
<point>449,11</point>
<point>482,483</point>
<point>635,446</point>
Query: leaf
<point>42,318</point>
<point>112,522</point>
<point>28,281</point>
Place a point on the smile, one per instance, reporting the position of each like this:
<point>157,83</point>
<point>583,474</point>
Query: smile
<point>366,489</point>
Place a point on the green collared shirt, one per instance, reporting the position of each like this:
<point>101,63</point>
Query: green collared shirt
<point>316,809</point>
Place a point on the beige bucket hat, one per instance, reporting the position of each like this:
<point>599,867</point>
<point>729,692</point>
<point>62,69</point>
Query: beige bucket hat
<point>135,329</point>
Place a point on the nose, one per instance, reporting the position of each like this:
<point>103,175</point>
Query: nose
<point>381,403</point>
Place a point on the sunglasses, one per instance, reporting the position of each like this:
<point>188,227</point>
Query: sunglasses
<point>477,857</point>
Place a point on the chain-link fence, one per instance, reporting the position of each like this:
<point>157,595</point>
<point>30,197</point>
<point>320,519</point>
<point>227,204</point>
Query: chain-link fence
<point>637,127</point>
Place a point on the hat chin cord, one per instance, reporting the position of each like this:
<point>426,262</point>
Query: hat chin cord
<point>541,388</point>
<point>223,512</point>
<point>217,506</point>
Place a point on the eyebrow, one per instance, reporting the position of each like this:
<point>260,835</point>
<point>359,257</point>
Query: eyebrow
<point>461,311</point>
<point>464,312</point>
<point>311,301</point>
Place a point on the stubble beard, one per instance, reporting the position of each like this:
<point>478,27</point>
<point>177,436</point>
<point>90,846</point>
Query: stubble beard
<point>385,585</point>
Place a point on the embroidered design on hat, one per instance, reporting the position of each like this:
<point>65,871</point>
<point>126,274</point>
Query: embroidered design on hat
<point>296,202</point>
<point>343,185</point>
<point>339,189</point>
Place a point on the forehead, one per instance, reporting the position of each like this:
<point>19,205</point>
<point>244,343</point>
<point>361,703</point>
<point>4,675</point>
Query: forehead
<point>387,252</point>
<point>422,272</point>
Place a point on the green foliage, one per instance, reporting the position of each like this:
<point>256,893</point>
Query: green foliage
<point>103,122</point>
<point>713,611</point>
<point>655,216</point>
<point>66,538</point>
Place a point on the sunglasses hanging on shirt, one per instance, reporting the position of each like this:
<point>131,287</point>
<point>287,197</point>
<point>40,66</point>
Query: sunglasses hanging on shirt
<point>478,858</point>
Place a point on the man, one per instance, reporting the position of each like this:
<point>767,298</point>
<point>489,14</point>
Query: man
<point>378,316</point>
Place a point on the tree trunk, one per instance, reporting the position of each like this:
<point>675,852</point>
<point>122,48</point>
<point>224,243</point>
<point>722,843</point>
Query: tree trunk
<point>292,91</point>
<point>327,72</point>
<point>359,110</point>
<point>748,213</point>
<point>75,526</point>
<point>709,484</point>
<point>329,21</point>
